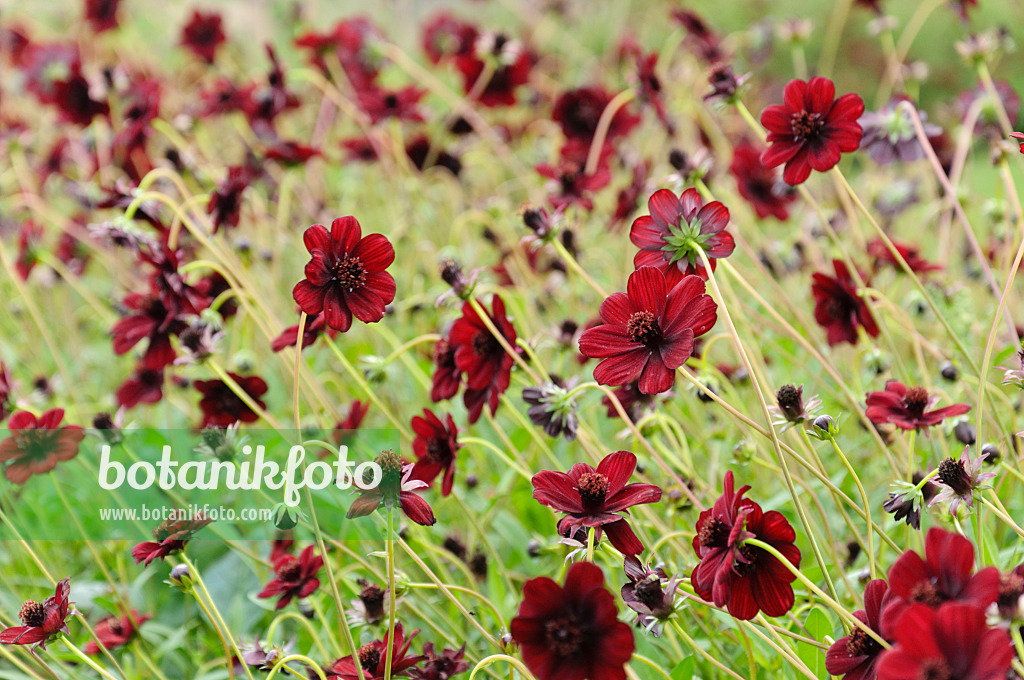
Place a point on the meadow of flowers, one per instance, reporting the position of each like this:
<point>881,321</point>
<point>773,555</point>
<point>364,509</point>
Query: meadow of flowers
<point>684,339</point>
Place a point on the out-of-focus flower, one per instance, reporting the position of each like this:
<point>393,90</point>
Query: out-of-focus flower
<point>36,444</point>
<point>910,253</point>
<point>115,631</point>
<point>221,406</point>
<point>435,446</point>
<point>889,135</point>
<point>760,186</point>
<point>443,666</point>
<point>203,35</point>
<point>294,577</point>
<point>837,307</point>
<point>854,656</point>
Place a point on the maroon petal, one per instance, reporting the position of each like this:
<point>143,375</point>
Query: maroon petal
<point>336,312</point>
<point>618,467</point>
<point>622,538</point>
<point>607,341</point>
<point>656,376</point>
<point>310,298</point>
<point>556,490</point>
<point>664,208</point>
<point>376,252</point>
<point>416,509</point>
<point>345,235</point>
<point>622,368</point>
<point>317,237</point>
<point>646,289</point>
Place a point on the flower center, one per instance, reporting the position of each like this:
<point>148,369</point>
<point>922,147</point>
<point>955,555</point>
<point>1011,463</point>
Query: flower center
<point>648,591</point>
<point>486,345</point>
<point>927,593</point>
<point>745,560</point>
<point>953,475</point>
<point>32,614</point>
<point>369,657</point>
<point>862,644</point>
<point>713,534</point>
<point>391,101</point>
<point>350,273</point>
<point>372,597</point>
<point>806,125</point>
<point>643,327</point>
<point>563,635</point>
<point>1011,588</point>
<point>437,450</point>
<point>935,669</point>
<point>289,569</point>
<point>916,400</point>
<point>593,488</point>
<point>391,471</point>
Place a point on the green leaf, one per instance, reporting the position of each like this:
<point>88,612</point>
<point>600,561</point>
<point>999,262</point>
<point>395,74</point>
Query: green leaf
<point>683,669</point>
<point>818,626</point>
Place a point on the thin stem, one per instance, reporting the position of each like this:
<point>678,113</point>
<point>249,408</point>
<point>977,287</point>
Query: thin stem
<point>392,598</point>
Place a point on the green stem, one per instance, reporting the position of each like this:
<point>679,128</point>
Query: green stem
<point>864,500</point>
<point>391,595</point>
<point>85,657</point>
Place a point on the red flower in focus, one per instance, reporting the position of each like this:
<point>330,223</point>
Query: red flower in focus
<point>115,631</point>
<point>594,498</point>
<point>101,14</point>
<point>203,35</point>
<point>578,111</point>
<point>878,250</point>
<point>743,578</point>
<point>837,307</point>
<point>42,621</point>
<point>345,275</point>
<point>854,656</point>
<point>943,576</point>
<point>811,129</point>
<point>396,487</point>
<point>294,577</point>
<point>372,658</point>
<point>905,407</point>
<point>36,444</point>
<point>222,407</point>
<point>572,631</point>
<point>761,186</point>
<point>479,355</point>
<point>435,447</point>
<point>677,228</point>
<point>950,642</point>
<point>316,325</point>
<point>171,536</point>
<point>1020,136</point>
<point>648,332</point>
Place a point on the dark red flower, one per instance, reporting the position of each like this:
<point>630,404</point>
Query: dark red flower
<point>435,446</point>
<point>356,412</point>
<point>648,332</point>
<point>594,498</point>
<point>905,407</point>
<point>951,642</point>
<point>290,153</point>
<point>441,666</point>
<point>514,63</point>
<point>743,578</point>
<point>396,487</point>
<point>351,42</point>
<point>837,307</point>
<point>36,444</point>
<point>225,205</point>
<point>75,103</point>
<point>572,631</point>
<point>381,104</point>
<point>444,37</point>
<point>345,275</point>
<point>222,407</point>
<point>101,14</point>
<point>878,250</point>
<point>572,184</point>
<point>153,320</point>
<point>42,621</point>
<point>203,35</point>
<point>811,128</point>
<point>447,376</point>
<point>578,111</point>
<point>700,38</point>
<point>677,228</point>
<point>115,631</point>
<point>629,196</point>
<point>854,656</point>
<point>294,577</point>
<point>761,186</point>
<point>316,325</point>
<point>479,355</point>
<point>372,658</point>
<point>145,386</point>
<point>424,154</point>
<point>29,235</point>
<point>944,575</point>
<point>171,536</point>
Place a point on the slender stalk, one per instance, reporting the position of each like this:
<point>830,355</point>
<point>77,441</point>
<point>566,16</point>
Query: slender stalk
<point>392,598</point>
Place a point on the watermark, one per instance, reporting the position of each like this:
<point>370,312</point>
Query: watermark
<point>253,474</point>
<point>167,514</point>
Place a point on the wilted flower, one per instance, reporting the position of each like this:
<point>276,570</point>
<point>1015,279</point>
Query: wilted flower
<point>650,593</point>
<point>906,501</point>
<point>553,408</point>
<point>791,409</point>
<point>959,479</point>
<point>369,608</point>
<point>171,536</point>
<point>396,487</point>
